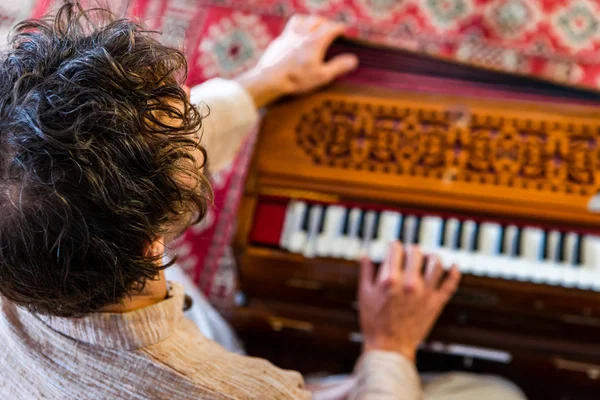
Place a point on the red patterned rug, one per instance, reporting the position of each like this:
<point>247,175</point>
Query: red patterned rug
<point>10,13</point>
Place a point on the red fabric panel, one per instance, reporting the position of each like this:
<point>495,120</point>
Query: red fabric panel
<point>268,222</point>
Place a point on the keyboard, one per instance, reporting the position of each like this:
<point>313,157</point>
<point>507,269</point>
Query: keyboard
<point>479,247</point>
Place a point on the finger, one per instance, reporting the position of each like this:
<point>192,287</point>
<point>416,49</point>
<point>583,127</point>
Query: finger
<point>329,30</point>
<point>327,33</point>
<point>450,284</point>
<point>433,272</point>
<point>314,23</point>
<point>366,273</point>
<point>391,269</point>
<point>338,66</point>
<point>414,267</point>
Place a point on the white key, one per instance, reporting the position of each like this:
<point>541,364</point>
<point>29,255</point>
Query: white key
<point>409,233</point>
<point>351,241</point>
<point>490,238</point>
<point>338,248</point>
<point>511,233</point>
<point>552,273</point>
<point>465,261</point>
<point>479,265</point>
<point>297,237</point>
<point>389,226</point>
<point>492,264</point>
<point>538,274</point>
<point>332,229</point>
<point>595,281</point>
<point>524,270</point>
<point>590,252</point>
<point>569,277</point>
<point>467,240</point>
<point>532,244</point>
<point>451,233</point>
<point>368,231</point>
<point>294,215</point>
<point>447,257</point>
<point>430,235</point>
<point>287,225</point>
<point>571,246</point>
<point>461,259</point>
<point>553,246</point>
<point>339,242</point>
<point>314,221</point>
<point>501,266</point>
<point>584,279</point>
<point>509,268</point>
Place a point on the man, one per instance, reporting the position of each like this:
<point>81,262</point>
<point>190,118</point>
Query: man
<point>102,164</point>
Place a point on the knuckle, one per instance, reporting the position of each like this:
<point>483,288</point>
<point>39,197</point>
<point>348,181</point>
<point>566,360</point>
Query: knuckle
<point>390,282</point>
<point>413,286</point>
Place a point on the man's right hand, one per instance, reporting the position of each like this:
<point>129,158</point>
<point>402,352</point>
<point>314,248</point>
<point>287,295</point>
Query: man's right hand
<point>400,305</point>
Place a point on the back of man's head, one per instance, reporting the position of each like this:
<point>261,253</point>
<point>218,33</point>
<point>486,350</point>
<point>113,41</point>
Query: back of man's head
<point>89,169</point>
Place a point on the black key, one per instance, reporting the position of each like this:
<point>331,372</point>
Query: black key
<point>562,254</point>
<point>578,249</point>
<point>400,229</point>
<point>361,225</point>
<point>346,224</point>
<point>417,234</point>
<point>322,221</point>
<point>502,247</point>
<point>458,238</point>
<point>543,247</point>
<point>475,244</point>
<point>376,225</point>
<point>306,219</point>
<point>518,242</point>
<point>443,235</point>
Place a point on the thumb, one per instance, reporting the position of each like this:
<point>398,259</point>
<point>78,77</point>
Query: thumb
<point>366,273</point>
<point>339,65</point>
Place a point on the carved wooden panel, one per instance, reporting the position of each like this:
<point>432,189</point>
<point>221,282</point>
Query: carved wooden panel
<point>506,150</point>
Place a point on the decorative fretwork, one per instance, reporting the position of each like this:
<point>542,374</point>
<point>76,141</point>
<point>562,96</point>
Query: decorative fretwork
<point>454,145</point>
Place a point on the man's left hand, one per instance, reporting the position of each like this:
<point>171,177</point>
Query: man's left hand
<point>294,62</point>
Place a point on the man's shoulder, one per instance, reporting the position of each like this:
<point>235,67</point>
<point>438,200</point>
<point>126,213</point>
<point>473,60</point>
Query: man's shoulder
<point>206,364</point>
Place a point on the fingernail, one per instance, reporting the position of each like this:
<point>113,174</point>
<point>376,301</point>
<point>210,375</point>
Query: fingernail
<point>352,62</point>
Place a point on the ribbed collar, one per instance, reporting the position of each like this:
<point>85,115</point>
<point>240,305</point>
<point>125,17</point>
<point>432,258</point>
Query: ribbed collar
<point>127,331</point>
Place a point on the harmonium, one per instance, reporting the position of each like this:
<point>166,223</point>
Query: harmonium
<point>495,172</point>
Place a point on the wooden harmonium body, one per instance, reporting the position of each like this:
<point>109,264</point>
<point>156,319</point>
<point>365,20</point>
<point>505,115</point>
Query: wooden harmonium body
<point>496,173</point>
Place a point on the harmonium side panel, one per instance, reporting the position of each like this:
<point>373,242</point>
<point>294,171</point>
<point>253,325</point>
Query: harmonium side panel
<point>518,159</point>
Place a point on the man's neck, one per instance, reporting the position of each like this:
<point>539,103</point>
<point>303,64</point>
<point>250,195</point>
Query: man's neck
<point>154,292</point>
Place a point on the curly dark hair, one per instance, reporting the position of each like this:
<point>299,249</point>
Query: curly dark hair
<point>99,154</point>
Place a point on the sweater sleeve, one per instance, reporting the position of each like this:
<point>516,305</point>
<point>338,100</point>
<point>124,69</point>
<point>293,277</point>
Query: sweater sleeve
<point>231,115</point>
<point>383,375</point>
